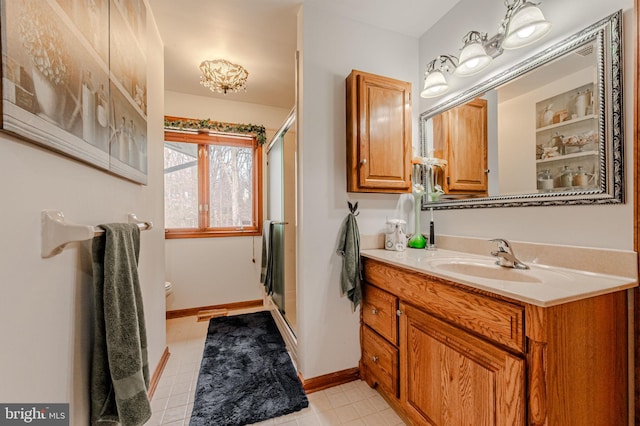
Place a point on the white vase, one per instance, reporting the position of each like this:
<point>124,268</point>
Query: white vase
<point>581,104</point>
<point>49,97</point>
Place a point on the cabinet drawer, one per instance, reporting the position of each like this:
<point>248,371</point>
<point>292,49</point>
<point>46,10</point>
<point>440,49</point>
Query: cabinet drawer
<point>380,361</point>
<point>495,319</point>
<point>379,312</point>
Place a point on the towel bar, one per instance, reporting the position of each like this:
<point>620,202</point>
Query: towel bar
<point>57,233</point>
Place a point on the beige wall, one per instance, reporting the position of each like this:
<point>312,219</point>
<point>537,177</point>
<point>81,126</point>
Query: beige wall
<point>331,47</point>
<point>46,317</point>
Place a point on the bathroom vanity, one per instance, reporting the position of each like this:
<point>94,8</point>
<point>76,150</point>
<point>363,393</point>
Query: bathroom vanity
<point>449,338</point>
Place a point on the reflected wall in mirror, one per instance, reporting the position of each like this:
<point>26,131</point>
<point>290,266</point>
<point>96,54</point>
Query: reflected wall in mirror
<point>548,131</point>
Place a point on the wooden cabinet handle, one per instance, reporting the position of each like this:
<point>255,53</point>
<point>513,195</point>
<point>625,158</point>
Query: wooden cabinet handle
<point>375,358</point>
<point>374,311</point>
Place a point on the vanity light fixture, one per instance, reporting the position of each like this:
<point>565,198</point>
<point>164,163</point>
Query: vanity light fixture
<point>435,82</point>
<point>522,25</point>
<point>474,57</point>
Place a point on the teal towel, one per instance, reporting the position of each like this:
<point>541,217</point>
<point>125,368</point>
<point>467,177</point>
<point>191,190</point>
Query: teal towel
<point>349,249</point>
<point>120,370</point>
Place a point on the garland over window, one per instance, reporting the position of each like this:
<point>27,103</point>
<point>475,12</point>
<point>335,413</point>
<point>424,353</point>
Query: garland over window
<point>206,124</point>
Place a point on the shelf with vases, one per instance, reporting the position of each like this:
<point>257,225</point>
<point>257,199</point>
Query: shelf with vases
<point>566,122</point>
<point>568,156</point>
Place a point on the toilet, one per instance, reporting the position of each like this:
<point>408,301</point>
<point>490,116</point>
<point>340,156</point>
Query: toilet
<point>168,288</point>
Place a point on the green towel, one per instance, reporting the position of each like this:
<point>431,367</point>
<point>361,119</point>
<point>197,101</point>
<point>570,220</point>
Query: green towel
<point>266,270</point>
<point>349,249</point>
<point>120,370</point>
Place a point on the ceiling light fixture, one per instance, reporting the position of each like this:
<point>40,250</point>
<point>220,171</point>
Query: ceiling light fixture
<point>222,76</point>
<point>522,25</point>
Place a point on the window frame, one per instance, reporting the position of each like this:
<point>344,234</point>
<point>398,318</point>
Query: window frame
<point>203,138</point>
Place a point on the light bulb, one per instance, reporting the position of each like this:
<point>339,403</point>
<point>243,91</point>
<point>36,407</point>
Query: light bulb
<point>526,32</point>
<point>472,63</point>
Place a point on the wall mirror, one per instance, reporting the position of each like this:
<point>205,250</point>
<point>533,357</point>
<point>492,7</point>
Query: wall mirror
<point>548,131</point>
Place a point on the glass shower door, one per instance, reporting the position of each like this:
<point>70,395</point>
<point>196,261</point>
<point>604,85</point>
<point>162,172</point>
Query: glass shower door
<point>281,210</point>
<point>275,212</point>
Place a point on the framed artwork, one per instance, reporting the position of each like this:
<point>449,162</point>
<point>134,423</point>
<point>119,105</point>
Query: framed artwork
<point>74,80</point>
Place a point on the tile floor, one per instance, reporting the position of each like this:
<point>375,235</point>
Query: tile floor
<point>349,404</point>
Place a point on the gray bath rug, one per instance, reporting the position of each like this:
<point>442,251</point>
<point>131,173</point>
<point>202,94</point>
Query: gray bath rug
<point>246,375</point>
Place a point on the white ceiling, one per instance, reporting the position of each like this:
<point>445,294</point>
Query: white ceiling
<point>260,35</point>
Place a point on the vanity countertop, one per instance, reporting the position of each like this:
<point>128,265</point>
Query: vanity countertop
<point>540,285</point>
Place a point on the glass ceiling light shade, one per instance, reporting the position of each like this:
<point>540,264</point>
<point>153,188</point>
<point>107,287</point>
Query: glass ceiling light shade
<point>474,57</point>
<point>435,84</point>
<point>222,76</point>
<point>525,26</point>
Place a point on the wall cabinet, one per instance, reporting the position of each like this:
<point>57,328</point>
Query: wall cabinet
<point>453,355</point>
<point>460,137</point>
<point>378,134</point>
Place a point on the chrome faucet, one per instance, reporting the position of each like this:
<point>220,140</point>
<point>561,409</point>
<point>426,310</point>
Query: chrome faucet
<point>505,255</point>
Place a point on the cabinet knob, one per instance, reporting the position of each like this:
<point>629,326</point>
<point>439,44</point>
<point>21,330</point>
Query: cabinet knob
<point>398,312</point>
<point>374,311</point>
<point>375,358</point>
<point>363,161</point>
<point>487,170</point>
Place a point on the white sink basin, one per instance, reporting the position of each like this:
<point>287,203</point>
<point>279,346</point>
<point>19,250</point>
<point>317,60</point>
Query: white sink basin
<point>487,270</point>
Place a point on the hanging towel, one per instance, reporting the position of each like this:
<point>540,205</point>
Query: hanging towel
<point>120,370</point>
<point>349,249</point>
<point>266,270</point>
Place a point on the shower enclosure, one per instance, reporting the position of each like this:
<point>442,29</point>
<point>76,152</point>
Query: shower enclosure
<point>281,210</point>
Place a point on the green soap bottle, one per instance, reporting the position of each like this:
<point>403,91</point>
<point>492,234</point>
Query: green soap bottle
<point>417,241</point>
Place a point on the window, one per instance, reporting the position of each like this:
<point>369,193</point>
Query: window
<point>212,184</point>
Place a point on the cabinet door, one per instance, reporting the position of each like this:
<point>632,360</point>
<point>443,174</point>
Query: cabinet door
<point>378,134</point>
<point>450,377</point>
<point>460,137</point>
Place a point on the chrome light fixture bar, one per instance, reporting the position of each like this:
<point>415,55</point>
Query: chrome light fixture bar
<point>522,25</point>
